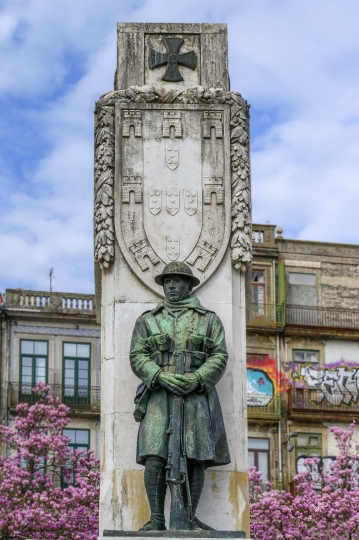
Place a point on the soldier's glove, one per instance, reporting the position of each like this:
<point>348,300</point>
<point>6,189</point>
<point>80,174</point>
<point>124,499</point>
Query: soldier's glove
<point>177,384</point>
<point>193,382</point>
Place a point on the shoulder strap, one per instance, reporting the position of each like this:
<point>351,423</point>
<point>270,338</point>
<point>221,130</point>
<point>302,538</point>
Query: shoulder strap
<point>152,323</point>
<point>203,324</point>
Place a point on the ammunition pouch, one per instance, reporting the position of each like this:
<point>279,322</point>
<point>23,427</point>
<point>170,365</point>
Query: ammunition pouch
<point>141,400</point>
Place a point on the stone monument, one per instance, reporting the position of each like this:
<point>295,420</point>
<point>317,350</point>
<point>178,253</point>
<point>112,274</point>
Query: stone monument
<point>172,190</point>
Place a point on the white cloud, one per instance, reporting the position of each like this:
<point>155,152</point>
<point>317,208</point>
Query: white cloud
<point>295,61</point>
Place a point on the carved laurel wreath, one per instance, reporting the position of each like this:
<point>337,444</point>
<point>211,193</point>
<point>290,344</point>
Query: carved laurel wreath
<point>105,162</point>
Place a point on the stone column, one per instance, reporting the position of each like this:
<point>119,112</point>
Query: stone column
<point>171,183</point>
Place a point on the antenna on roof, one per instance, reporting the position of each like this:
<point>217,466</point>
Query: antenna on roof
<point>51,276</point>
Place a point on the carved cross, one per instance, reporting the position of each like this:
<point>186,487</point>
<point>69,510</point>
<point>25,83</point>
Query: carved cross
<point>172,58</point>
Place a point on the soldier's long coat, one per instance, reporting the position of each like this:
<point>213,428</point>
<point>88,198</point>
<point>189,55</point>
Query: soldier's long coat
<point>204,432</point>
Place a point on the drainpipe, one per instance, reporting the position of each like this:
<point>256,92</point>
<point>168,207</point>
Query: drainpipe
<point>280,461</point>
<point>7,369</point>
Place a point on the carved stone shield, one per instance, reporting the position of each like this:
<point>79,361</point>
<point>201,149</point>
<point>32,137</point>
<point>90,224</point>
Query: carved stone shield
<point>173,247</point>
<point>172,201</point>
<point>171,209</point>
<point>190,201</point>
<point>172,157</point>
<point>154,201</point>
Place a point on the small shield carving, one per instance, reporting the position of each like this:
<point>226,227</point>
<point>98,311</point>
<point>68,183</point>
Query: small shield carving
<point>155,201</point>
<point>172,203</point>
<point>173,247</point>
<point>190,201</point>
<point>172,156</point>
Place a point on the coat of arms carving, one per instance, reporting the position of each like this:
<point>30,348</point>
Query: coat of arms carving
<point>172,156</point>
<point>190,201</point>
<point>185,210</point>
<point>172,201</point>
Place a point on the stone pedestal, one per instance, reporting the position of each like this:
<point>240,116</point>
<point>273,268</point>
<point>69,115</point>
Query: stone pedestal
<point>129,258</point>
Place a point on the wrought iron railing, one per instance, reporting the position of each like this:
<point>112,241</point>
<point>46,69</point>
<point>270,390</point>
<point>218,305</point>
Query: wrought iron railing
<point>270,315</point>
<point>322,402</point>
<point>321,316</point>
<point>83,398</point>
<point>261,406</point>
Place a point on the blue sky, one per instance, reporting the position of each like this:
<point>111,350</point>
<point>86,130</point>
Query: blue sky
<point>295,61</point>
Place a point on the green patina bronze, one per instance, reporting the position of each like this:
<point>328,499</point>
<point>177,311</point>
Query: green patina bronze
<point>179,349</point>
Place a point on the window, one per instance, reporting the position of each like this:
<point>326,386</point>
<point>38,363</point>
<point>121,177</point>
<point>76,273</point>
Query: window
<point>258,291</point>
<point>307,445</point>
<point>302,279</point>
<point>302,290</point>
<point>303,356</point>
<point>258,455</point>
<point>79,440</point>
<point>33,366</point>
<point>76,373</point>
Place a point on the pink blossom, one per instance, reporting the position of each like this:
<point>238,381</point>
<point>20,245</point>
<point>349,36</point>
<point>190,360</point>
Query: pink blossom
<point>33,504</point>
<point>326,506</point>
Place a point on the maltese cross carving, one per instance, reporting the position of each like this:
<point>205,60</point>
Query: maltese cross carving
<point>172,58</point>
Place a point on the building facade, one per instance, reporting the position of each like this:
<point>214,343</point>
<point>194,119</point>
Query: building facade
<point>302,352</point>
<point>52,337</point>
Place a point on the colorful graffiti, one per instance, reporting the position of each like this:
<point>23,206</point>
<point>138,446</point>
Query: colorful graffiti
<point>264,382</point>
<point>337,384</point>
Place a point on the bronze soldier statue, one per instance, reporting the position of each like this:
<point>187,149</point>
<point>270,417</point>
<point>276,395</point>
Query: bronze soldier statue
<point>178,351</point>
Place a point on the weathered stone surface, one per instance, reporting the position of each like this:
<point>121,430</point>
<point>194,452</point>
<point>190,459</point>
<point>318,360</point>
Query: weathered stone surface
<point>105,163</point>
<point>135,40</point>
<point>172,183</point>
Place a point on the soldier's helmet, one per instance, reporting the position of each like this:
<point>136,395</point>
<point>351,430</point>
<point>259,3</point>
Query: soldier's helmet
<point>177,269</point>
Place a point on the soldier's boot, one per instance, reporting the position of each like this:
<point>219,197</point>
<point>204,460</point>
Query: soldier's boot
<point>155,484</point>
<point>196,479</point>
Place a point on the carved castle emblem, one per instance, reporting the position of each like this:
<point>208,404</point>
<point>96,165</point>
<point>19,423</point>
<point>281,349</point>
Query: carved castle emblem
<point>212,119</point>
<point>144,254</point>
<point>155,201</point>
<point>173,204</point>
<point>190,201</point>
<point>132,184</point>
<point>173,247</point>
<point>172,201</point>
<point>213,186</point>
<point>205,252</point>
<point>172,58</point>
<point>132,119</point>
<point>172,120</point>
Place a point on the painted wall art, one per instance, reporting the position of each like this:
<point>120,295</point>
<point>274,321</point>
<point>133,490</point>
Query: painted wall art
<point>264,382</point>
<point>338,383</point>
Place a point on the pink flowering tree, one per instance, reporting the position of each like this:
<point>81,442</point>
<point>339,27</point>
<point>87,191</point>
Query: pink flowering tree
<point>47,490</point>
<point>326,506</point>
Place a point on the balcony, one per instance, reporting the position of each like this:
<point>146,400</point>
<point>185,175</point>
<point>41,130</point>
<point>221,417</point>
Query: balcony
<point>256,409</point>
<point>80,399</point>
<point>50,302</point>
<point>306,403</point>
<point>263,236</point>
<point>266,315</point>
<point>321,317</point>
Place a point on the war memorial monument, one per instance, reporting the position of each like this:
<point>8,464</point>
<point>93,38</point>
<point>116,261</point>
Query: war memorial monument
<point>172,223</point>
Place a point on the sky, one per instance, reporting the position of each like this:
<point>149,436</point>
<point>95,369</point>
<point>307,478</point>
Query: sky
<point>295,61</point>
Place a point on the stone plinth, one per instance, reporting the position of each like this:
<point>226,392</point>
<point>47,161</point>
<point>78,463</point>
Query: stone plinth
<point>175,534</point>
<point>224,503</point>
<point>171,183</point>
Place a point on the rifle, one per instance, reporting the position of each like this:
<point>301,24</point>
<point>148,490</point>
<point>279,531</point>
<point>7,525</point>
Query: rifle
<point>176,468</point>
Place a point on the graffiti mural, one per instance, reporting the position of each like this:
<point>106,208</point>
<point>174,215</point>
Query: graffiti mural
<point>260,388</point>
<point>338,385</point>
<point>264,382</point>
